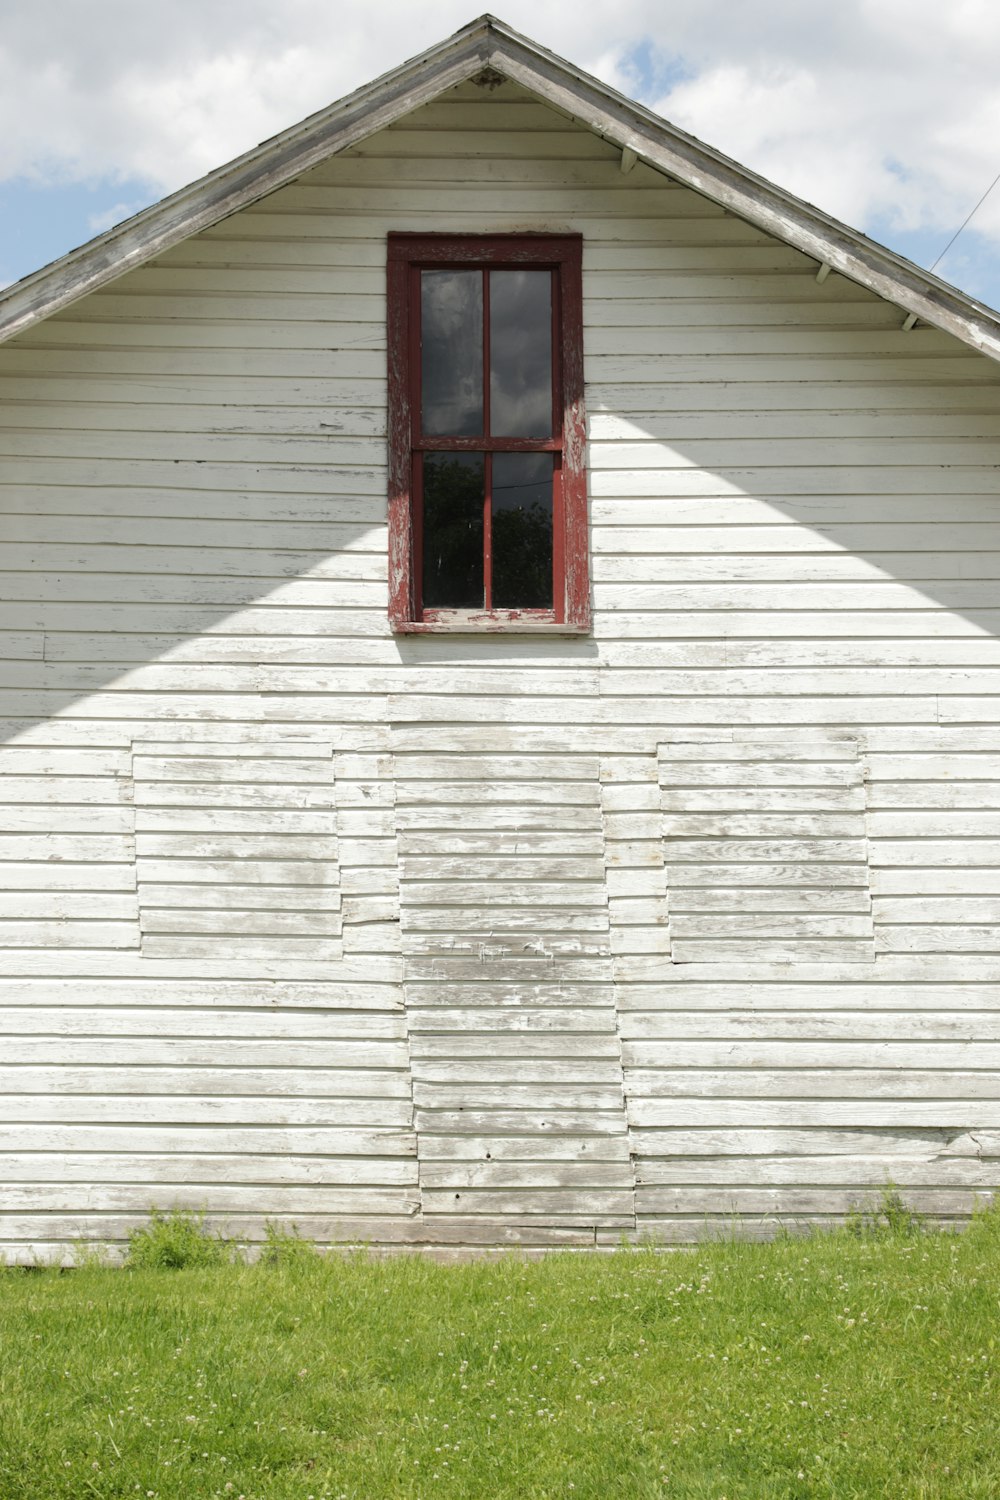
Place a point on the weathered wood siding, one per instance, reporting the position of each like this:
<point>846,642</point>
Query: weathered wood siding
<point>424,940</point>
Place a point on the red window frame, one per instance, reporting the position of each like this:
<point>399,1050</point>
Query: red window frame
<point>408,255</point>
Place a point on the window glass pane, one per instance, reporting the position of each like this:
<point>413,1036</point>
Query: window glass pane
<point>522,530</point>
<point>521,353</point>
<point>451,353</point>
<point>453,531</point>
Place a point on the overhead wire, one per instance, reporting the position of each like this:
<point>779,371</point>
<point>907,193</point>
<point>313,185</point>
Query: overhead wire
<point>965,221</point>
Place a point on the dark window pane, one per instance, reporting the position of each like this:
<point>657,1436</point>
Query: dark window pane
<point>453,531</point>
<point>451,353</point>
<point>521,353</point>
<point>522,530</point>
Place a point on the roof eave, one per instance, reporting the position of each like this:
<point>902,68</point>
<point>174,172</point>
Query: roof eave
<point>243,181</point>
<point>487,42</point>
<point>742,192</point>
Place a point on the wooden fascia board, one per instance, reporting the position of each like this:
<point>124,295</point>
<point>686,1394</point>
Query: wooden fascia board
<point>240,183</point>
<point>752,198</point>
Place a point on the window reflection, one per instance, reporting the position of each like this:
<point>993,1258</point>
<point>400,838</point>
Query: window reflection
<point>522,530</point>
<point>451,353</point>
<point>453,531</point>
<point>521,353</point>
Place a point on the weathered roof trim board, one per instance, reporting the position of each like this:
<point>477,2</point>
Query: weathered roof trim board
<point>245,180</point>
<point>752,198</point>
<point>487,44</point>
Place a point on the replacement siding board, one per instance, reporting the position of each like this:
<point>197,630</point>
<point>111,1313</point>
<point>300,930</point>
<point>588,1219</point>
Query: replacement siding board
<point>259,795</point>
<point>67,851</point>
<point>531,936</point>
<point>783,832</point>
<point>937,864</point>
<point>503,940</point>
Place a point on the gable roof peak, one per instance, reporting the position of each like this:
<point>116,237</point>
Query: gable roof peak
<point>489,43</point>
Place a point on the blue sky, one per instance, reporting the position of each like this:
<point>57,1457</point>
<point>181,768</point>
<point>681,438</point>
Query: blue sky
<point>39,220</point>
<point>106,107</point>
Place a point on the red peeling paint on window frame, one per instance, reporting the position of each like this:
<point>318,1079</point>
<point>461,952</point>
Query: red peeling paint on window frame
<point>407,255</point>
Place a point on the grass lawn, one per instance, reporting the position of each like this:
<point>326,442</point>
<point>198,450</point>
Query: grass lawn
<point>843,1366</point>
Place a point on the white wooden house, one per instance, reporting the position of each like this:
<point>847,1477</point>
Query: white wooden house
<point>362,871</point>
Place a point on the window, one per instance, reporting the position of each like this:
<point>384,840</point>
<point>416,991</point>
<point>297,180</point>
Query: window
<point>487,484</point>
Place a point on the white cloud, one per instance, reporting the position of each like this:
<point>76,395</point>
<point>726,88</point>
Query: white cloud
<point>877,109</point>
<point>872,109</point>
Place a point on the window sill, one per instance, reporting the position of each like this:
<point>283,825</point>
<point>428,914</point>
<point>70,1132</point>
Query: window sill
<point>498,622</point>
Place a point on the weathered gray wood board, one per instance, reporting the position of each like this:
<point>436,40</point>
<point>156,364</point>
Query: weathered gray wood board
<point>491,938</point>
<point>726,806</point>
<point>236,845</point>
<point>471,942</point>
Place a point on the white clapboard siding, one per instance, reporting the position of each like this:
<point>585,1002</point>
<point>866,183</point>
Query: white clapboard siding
<point>466,942</point>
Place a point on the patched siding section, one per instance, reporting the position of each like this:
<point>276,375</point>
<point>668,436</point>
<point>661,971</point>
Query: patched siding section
<point>515,1056</point>
<point>237,844</point>
<point>766,851</point>
<point>934,814</point>
<point>67,848</point>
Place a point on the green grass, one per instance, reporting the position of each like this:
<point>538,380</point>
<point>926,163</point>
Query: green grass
<point>853,1365</point>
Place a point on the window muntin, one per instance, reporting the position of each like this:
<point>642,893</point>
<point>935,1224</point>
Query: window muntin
<point>488,521</point>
